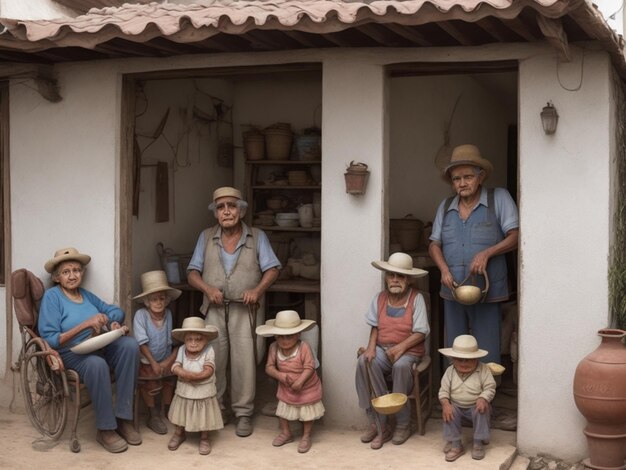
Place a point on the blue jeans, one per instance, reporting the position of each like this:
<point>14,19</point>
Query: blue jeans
<point>480,320</point>
<point>480,421</point>
<point>94,370</point>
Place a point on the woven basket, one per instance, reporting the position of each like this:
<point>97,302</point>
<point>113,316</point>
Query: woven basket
<point>254,146</point>
<point>278,144</point>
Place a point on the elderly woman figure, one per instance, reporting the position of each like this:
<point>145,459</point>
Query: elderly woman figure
<point>68,315</point>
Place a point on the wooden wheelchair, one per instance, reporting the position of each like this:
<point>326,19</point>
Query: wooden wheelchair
<point>47,386</point>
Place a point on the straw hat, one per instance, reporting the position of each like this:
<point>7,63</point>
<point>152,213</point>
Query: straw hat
<point>195,325</point>
<point>287,322</point>
<point>467,155</point>
<point>400,263</point>
<point>226,191</point>
<point>66,254</point>
<point>156,281</point>
<point>464,347</point>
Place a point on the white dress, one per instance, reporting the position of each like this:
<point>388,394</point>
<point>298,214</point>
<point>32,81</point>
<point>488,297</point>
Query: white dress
<point>195,406</point>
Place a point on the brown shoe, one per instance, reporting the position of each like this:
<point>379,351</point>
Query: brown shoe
<point>478,451</point>
<point>205,447</point>
<point>380,439</point>
<point>304,445</point>
<point>447,447</point>
<point>126,429</point>
<point>176,441</point>
<point>454,453</point>
<point>111,441</point>
<point>401,434</point>
<point>369,435</point>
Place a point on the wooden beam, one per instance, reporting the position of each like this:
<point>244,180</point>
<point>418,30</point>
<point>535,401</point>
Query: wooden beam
<point>456,33</point>
<point>521,29</point>
<point>263,42</point>
<point>371,31</point>
<point>409,33</point>
<point>303,38</point>
<point>491,26</point>
<point>337,40</point>
<point>552,29</point>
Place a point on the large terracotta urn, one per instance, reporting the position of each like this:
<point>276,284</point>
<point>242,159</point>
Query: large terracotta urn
<point>600,395</point>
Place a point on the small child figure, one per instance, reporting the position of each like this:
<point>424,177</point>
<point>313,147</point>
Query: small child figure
<point>195,406</point>
<point>291,362</point>
<point>152,328</point>
<point>467,389</point>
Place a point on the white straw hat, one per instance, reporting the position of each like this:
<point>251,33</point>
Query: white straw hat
<point>287,322</point>
<point>66,254</point>
<point>195,325</point>
<point>400,263</point>
<point>464,347</point>
<point>156,281</point>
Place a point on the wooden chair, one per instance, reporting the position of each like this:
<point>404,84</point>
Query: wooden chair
<point>421,395</point>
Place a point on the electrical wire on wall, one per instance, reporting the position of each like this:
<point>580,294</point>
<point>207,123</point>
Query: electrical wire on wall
<point>582,73</point>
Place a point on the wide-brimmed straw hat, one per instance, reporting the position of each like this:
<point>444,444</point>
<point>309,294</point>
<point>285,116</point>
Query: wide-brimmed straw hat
<point>464,347</point>
<point>467,155</point>
<point>287,322</point>
<point>156,281</point>
<point>66,254</point>
<point>400,263</point>
<point>194,325</point>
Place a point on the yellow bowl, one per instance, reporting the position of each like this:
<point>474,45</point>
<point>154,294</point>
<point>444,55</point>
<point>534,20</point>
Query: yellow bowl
<point>390,403</point>
<point>496,369</point>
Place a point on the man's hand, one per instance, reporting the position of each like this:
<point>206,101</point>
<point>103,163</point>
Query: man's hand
<point>369,354</point>
<point>447,280</point>
<point>251,297</point>
<point>482,405</point>
<point>215,296</point>
<point>479,263</point>
<point>447,411</point>
<point>394,353</point>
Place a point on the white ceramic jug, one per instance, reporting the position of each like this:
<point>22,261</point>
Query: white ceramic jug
<point>305,212</point>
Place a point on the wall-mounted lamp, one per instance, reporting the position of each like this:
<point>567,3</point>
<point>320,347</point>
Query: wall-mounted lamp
<point>549,118</point>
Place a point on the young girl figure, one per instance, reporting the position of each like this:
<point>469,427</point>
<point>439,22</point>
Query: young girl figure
<point>291,362</point>
<point>152,328</point>
<point>195,406</point>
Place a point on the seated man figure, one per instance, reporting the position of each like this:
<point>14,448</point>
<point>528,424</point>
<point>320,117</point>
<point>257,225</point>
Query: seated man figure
<point>399,326</point>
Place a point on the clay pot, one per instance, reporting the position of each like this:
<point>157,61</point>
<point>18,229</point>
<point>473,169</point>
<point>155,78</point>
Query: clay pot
<point>600,395</point>
<point>356,177</point>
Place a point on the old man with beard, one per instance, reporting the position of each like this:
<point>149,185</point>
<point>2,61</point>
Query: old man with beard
<point>399,327</point>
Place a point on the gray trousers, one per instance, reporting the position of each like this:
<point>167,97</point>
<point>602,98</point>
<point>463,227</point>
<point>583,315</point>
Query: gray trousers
<point>401,374</point>
<point>452,430</point>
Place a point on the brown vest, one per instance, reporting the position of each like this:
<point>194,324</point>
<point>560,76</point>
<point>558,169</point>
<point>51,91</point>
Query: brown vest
<point>394,330</point>
<point>246,273</point>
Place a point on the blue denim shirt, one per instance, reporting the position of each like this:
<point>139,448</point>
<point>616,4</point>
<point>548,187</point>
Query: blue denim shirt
<point>461,240</point>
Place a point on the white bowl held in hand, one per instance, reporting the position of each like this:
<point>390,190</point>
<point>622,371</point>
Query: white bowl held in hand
<point>97,342</point>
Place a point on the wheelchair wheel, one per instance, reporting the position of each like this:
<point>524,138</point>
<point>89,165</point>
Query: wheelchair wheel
<point>44,397</point>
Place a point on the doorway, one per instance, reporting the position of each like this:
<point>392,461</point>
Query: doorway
<point>433,108</point>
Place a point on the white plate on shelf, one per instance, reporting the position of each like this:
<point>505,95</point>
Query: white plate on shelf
<point>97,342</point>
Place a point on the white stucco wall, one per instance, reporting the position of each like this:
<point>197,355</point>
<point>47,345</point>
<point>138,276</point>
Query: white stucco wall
<point>565,196</point>
<point>63,173</point>
<point>352,233</point>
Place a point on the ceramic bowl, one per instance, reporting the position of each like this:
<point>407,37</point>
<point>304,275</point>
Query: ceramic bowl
<point>390,403</point>
<point>287,216</point>
<point>287,222</point>
<point>97,342</point>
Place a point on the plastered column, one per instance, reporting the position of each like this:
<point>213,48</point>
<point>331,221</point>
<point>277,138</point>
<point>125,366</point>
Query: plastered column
<point>565,201</point>
<point>352,229</point>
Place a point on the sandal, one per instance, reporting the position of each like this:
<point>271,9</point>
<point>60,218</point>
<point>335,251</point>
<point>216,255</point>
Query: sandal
<point>176,441</point>
<point>205,447</point>
<point>304,445</point>
<point>281,440</point>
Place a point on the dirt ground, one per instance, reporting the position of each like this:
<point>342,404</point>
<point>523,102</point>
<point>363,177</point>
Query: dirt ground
<point>333,447</point>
